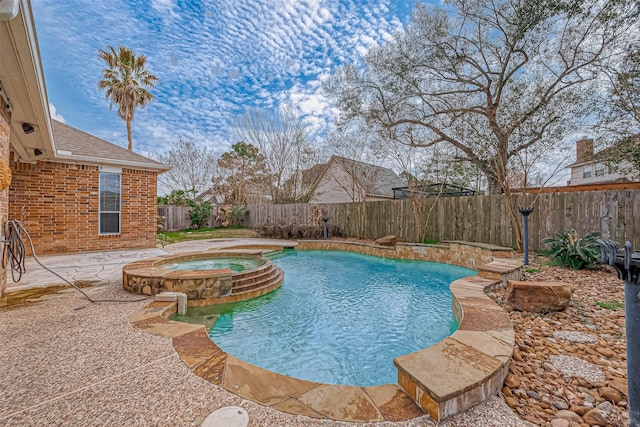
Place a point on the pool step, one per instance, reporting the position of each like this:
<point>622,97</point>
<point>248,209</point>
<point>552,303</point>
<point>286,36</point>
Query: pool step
<point>267,285</point>
<point>265,279</point>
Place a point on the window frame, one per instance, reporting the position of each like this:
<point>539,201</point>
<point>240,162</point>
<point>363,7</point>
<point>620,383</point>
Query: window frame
<point>586,171</point>
<point>599,169</point>
<point>100,211</point>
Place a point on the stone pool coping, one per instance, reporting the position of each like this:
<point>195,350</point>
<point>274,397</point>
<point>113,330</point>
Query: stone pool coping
<point>447,378</point>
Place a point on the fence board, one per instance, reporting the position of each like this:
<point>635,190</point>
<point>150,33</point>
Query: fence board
<point>614,213</point>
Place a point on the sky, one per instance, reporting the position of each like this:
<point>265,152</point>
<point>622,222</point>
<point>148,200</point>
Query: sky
<point>214,60</point>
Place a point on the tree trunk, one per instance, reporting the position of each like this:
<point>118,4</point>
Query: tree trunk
<point>495,187</point>
<point>129,135</point>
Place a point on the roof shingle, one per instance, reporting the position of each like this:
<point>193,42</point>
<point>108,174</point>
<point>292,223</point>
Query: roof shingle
<point>71,142</point>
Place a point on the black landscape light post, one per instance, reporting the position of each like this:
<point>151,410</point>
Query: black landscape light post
<point>628,267</point>
<point>325,219</point>
<point>525,211</point>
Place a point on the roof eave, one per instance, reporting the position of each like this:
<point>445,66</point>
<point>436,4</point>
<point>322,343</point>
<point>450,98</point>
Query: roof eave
<point>61,158</point>
<point>35,104</point>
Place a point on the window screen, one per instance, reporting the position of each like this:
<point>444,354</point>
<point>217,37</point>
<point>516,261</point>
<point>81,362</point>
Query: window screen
<point>109,203</point>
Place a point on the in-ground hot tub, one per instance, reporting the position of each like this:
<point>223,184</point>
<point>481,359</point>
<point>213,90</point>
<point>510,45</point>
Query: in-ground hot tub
<point>206,277</point>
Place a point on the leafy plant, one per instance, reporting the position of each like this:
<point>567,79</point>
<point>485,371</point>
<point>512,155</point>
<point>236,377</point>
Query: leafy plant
<point>532,270</point>
<point>569,250</point>
<point>200,213</point>
<point>238,214</point>
<point>611,305</point>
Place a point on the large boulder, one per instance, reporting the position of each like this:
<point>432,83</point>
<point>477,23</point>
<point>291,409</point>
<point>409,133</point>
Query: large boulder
<point>390,240</point>
<point>538,296</point>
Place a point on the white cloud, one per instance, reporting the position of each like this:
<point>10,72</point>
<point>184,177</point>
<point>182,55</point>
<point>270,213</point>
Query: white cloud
<point>214,59</point>
<point>54,114</point>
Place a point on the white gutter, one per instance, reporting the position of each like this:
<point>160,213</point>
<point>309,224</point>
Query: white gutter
<point>66,158</point>
<point>42,110</point>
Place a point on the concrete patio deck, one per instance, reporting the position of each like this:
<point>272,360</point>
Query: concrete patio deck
<point>69,362</point>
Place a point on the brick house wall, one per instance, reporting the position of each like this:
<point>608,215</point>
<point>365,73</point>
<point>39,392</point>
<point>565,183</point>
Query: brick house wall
<point>58,205</point>
<point>5,120</point>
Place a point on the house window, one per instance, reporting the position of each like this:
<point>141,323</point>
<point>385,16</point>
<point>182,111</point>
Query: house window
<point>599,169</point>
<point>109,215</point>
<point>586,172</point>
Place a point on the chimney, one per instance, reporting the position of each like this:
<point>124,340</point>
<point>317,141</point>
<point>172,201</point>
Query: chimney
<point>584,150</point>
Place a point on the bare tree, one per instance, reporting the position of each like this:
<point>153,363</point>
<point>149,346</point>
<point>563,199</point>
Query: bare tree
<point>621,111</point>
<point>282,139</point>
<point>490,78</point>
<point>192,167</point>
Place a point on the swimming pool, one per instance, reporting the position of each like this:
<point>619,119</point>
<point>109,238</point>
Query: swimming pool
<point>340,317</point>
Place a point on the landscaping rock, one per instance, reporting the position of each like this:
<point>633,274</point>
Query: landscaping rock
<point>610,394</point>
<point>390,240</point>
<point>538,297</point>
<point>568,415</point>
<point>594,418</point>
<point>512,381</point>
<point>620,385</point>
<point>511,401</point>
<point>559,422</point>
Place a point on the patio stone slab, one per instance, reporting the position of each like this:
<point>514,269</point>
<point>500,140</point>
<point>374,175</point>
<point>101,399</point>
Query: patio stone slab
<point>483,319</point>
<point>393,403</point>
<point>342,403</point>
<point>212,369</point>
<point>260,385</point>
<point>448,368</point>
<point>485,343</point>
<point>294,406</point>
<point>195,344</point>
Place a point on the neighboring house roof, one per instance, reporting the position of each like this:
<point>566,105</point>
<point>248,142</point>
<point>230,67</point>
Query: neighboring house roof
<point>375,180</point>
<point>311,176</point>
<point>75,145</point>
<point>604,154</point>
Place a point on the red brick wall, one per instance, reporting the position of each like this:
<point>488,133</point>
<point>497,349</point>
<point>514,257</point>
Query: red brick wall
<point>58,204</point>
<point>5,118</point>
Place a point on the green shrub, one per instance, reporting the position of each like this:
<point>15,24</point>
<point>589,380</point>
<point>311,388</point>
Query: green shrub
<point>567,249</point>
<point>238,214</point>
<point>200,213</point>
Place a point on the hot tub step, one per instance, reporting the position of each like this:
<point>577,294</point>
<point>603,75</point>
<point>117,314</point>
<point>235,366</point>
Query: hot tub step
<point>274,275</point>
<point>263,287</point>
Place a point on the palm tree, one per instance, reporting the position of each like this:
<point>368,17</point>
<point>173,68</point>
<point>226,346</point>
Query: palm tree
<point>125,80</point>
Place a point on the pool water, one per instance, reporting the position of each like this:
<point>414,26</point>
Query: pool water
<point>235,264</point>
<point>339,317</point>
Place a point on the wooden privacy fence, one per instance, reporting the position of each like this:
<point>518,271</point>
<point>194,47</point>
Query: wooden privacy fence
<point>616,214</point>
<point>177,217</point>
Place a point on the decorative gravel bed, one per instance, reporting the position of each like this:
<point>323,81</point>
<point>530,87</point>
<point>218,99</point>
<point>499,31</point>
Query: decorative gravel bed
<point>569,367</point>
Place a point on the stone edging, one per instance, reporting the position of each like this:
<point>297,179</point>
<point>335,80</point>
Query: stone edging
<point>447,378</point>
